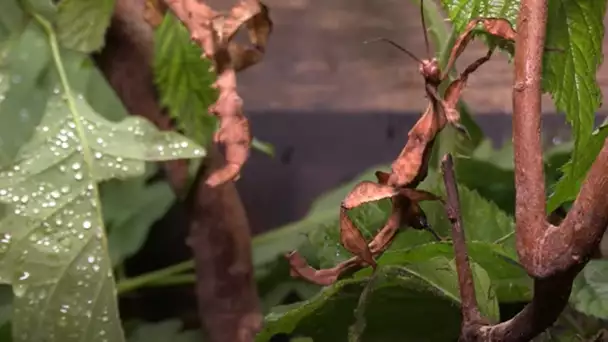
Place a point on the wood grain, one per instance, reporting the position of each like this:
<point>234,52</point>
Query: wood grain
<point>316,61</point>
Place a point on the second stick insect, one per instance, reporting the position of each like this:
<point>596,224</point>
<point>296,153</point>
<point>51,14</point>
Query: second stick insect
<point>410,168</point>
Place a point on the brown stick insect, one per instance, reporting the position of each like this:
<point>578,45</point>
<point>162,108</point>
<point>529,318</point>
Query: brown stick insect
<point>410,168</point>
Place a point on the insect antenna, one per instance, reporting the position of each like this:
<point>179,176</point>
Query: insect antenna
<point>401,48</point>
<point>424,31</point>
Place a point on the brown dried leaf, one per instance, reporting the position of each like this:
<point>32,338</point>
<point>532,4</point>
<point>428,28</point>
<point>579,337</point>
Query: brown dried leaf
<point>233,132</point>
<point>495,26</point>
<point>352,239</point>
<point>415,195</point>
<point>154,12</point>
<point>499,27</point>
<point>213,32</point>
<point>259,28</point>
<point>411,166</point>
<point>226,26</point>
<point>300,268</point>
<point>382,177</point>
<point>387,233</point>
<point>365,192</point>
<point>454,90</point>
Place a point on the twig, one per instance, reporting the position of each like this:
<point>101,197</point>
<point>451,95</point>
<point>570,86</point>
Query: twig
<point>221,242</point>
<point>213,32</point>
<point>552,255</point>
<point>470,311</point>
<point>530,210</point>
<point>219,232</point>
<point>130,44</point>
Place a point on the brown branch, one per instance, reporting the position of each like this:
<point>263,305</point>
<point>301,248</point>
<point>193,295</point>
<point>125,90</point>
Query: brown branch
<point>124,62</point>
<point>530,213</point>
<point>552,255</point>
<point>219,232</point>
<point>470,312</point>
<point>221,242</point>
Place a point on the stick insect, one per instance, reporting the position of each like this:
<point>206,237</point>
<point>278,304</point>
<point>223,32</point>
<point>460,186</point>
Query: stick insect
<point>410,167</point>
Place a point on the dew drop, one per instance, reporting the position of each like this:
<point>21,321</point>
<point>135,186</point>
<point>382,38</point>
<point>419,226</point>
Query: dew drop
<point>24,115</point>
<point>78,176</point>
<point>86,224</point>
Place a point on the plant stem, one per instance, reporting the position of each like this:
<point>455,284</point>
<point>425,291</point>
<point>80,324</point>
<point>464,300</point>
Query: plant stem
<point>180,279</point>
<point>154,277</point>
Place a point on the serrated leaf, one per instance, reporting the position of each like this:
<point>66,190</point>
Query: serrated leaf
<point>575,28</point>
<point>590,290</point>
<point>570,78</point>
<point>511,282</point>
<point>462,11</point>
<point>52,242</point>
<point>567,187</point>
<point>398,308</point>
<point>82,24</point>
<point>184,79</point>
<point>482,220</point>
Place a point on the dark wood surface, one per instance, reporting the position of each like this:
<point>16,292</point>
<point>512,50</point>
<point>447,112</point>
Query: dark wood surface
<point>316,61</point>
<point>318,151</point>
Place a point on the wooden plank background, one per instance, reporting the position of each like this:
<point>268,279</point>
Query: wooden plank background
<point>316,61</point>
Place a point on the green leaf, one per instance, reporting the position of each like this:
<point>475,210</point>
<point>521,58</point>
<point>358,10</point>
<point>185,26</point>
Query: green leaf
<point>263,146</point>
<point>462,11</point>
<point>496,185</point>
<point>569,184</point>
<point>570,78</point>
<point>568,75</point>
<point>511,282</point>
<point>53,248</point>
<point>324,210</point>
<point>169,330</point>
<point>184,79</point>
<point>6,307</point>
<point>12,17</point>
<point>184,82</point>
<point>590,290</point>
<point>23,90</point>
<point>572,326</point>
<point>130,207</point>
<point>483,220</point>
<point>488,230</point>
<point>398,308</point>
<point>82,24</point>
